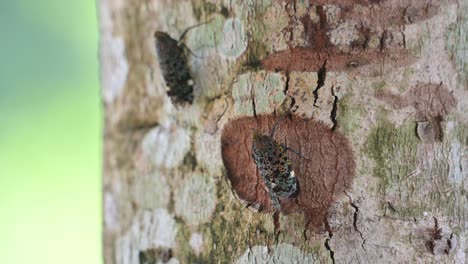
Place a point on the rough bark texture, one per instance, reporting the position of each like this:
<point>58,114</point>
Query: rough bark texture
<point>379,100</point>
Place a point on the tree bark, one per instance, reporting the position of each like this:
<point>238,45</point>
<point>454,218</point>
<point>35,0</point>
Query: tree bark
<point>374,98</point>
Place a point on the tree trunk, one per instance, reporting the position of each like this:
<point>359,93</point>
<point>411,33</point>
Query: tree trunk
<point>371,95</point>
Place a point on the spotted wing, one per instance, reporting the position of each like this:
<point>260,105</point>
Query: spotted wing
<point>286,182</point>
<point>173,64</point>
<point>274,167</point>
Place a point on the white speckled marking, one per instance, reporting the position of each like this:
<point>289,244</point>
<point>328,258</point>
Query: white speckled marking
<point>111,221</point>
<point>160,229</point>
<point>333,13</point>
<point>458,164</point>
<point>125,252</point>
<point>150,229</point>
<point>460,254</point>
<point>233,42</point>
<point>343,34</point>
<point>209,72</point>
<point>114,65</point>
<point>166,147</point>
<point>195,200</point>
<point>279,254</point>
<point>171,261</point>
<point>150,191</point>
<point>209,152</point>
<point>265,88</point>
<point>196,242</point>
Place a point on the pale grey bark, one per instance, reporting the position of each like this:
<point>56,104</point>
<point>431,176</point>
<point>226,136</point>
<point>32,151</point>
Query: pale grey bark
<point>394,86</point>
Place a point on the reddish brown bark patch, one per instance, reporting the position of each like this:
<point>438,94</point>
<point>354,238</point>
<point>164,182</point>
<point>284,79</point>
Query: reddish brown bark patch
<point>389,12</point>
<point>429,100</point>
<point>370,20</point>
<point>432,103</point>
<point>323,177</point>
<point>308,60</point>
<point>383,12</point>
<point>432,100</point>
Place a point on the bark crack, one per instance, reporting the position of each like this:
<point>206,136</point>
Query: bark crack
<point>355,220</point>
<point>322,74</point>
<point>383,38</point>
<point>334,109</point>
<point>436,235</point>
<point>138,127</point>
<point>289,29</point>
<point>252,95</point>
<point>276,222</point>
<point>327,242</point>
<point>286,89</point>
<point>224,111</point>
<point>449,244</point>
<point>327,246</point>
<point>404,39</point>
<point>439,240</point>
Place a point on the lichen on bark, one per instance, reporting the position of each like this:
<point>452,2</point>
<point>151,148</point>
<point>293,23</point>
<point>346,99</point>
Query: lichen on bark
<point>372,83</point>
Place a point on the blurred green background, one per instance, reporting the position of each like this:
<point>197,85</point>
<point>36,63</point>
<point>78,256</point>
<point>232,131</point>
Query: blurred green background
<point>50,132</point>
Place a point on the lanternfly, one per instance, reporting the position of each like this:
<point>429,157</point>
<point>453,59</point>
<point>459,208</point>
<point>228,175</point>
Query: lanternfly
<point>173,62</point>
<point>274,166</point>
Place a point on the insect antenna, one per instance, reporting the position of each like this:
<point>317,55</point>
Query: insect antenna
<point>272,133</point>
<point>189,28</point>
<point>293,151</point>
<point>181,43</point>
<point>185,48</point>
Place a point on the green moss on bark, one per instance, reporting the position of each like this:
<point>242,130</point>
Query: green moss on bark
<point>413,176</point>
<point>233,230</point>
<point>461,132</point>
<point>349,115</point>
<point>455,44</point>
<point>184,252</point>
<point>204,9</point>
<point>394,151</point>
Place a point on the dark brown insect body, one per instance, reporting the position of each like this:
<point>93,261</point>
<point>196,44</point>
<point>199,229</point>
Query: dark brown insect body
<point>173,63</point>
<point>274,167</point>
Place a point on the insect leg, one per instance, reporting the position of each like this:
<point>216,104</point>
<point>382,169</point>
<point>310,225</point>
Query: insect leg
<point>293,151</point>
<point>275,201</point>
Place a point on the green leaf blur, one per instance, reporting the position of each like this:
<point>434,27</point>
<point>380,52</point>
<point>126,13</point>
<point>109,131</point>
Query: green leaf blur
<point>50,133</point>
